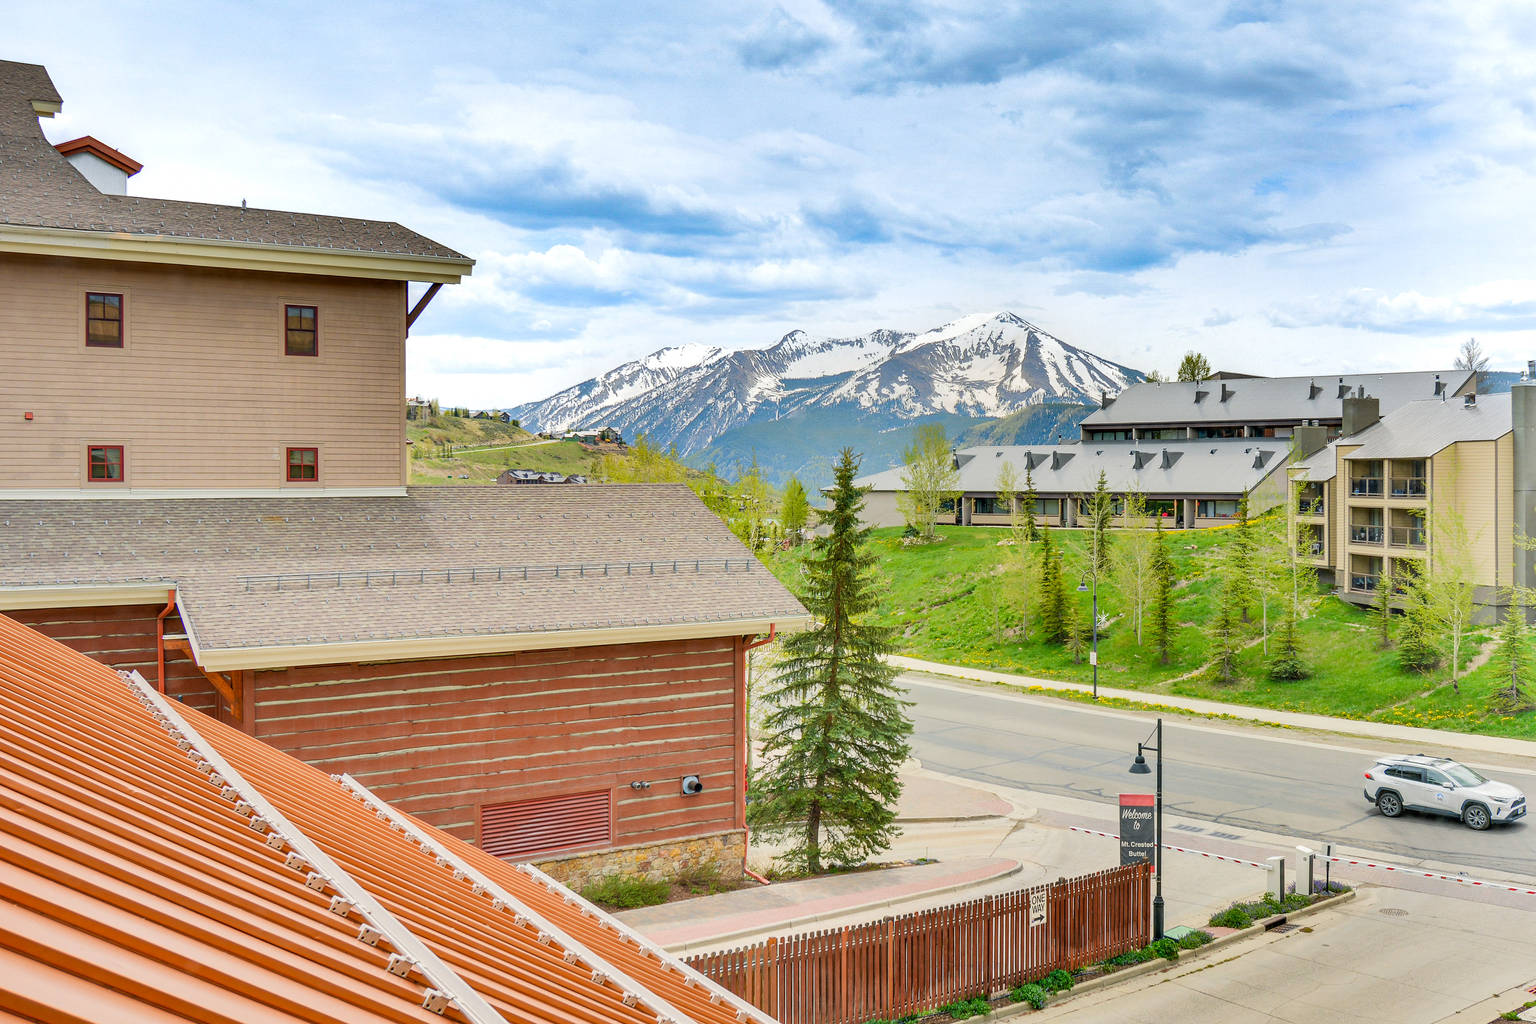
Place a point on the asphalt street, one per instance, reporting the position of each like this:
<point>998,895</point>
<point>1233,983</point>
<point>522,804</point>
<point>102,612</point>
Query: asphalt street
<point>1238,778</point>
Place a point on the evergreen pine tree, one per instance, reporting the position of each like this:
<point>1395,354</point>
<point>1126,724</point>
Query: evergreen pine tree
<point>1053,605</point>
<point>1027,501</point>
<point>1513,656</point>
<point>1079,632</point>
<point>1241,558</point>
<point>837,729</point>
<point>1417,646</point>
<point>1101,510</point>
<point>1287,663</point>
<point>1163,580</point>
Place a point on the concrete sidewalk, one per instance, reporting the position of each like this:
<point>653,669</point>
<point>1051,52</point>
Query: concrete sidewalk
<point>1376,730</point>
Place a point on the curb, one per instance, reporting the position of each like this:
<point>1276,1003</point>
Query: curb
<point>1156,966</point>
<point>709,942</point>
<point>955,819</point>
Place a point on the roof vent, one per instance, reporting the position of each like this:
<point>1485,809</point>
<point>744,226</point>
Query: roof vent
<point>1226,392</point>
<point>1059,459</point>
<point>1200,395</point>
<point>1468,401</point>
<point>1361,391</point>
<point>1313,391</point>
<point>1139,459</point>
<point>1105,401</point>
<point>1169,458</point>
<point>1439,387</point>
<point>1343,388</point>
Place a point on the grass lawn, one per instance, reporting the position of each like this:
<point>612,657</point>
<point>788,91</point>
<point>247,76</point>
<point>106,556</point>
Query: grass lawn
<point>508,447</point>
<point>954,602</point>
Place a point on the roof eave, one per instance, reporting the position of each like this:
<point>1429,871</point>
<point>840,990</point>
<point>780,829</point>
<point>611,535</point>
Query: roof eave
<point>228,659</point>
<point>234,255</point>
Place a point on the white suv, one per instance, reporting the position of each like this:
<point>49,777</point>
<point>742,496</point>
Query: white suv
<point>1438,785</point>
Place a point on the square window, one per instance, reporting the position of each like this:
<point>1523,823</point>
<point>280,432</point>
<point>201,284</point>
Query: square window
<point>303,464</point>
<point>301,331</point>
<point>105,463</point>
<point>103,320</point>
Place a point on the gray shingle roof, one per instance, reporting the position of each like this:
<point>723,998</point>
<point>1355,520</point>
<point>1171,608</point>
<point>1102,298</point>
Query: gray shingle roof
<point>284,571</point>
<point>1321,465</point>
<point>1191,468</point>
<point>1420,429</point>
<point>39,188</point>
<point>1267,399</point>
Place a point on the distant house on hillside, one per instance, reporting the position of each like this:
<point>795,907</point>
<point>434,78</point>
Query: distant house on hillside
<point>595,435</point>
<point>533,476</point>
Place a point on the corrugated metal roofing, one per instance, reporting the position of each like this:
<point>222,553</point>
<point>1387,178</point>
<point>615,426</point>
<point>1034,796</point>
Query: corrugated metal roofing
<point>438,561</point>
<point>1267,399</point>
<point>157,866</point>
<point>1191,468</point>
<point>1420,429</point>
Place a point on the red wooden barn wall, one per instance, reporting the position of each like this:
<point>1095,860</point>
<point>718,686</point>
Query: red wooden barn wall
<point>441,738</point>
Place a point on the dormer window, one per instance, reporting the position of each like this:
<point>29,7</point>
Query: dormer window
<point>103,320</point>
<point>302,331</point>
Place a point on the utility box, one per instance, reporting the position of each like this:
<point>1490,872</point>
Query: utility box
<point>1275,882</point>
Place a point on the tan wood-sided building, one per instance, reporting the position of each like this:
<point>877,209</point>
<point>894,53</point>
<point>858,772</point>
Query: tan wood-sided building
<point>206,482</point>
<point>1370,506</point>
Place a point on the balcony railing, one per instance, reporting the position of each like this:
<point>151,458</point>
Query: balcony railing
<point>1365,487</point>
<point>1309,507</point>
<point>1409,487</point>
<point>1365,534</point>
<point>1364,581</point>
<point>1408,536</point>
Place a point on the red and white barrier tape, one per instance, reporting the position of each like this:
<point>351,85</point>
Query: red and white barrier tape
<point>1459,879</point>
<point>1178,849</point>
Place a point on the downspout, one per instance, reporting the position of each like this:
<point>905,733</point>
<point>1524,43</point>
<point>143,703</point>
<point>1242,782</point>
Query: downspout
<point>170,606</point>
<point>746,836</point>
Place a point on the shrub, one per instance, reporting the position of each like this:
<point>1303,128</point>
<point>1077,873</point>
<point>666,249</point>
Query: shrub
<point>625,892</point>
<point>1296,900</point>
<point>976,1006</point>
<point>1233,917</point>
<point>1168,949</point>
<point>1032,994</point>
<point>1135,956</point>
<point>1195,939</point>
<point>1057,981</point>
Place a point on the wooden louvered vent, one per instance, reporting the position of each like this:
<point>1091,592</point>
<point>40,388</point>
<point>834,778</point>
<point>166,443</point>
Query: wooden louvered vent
<point>519,830</point>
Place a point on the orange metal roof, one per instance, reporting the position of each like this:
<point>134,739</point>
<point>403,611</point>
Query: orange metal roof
<point>90,144</point>
<point>158,866</point>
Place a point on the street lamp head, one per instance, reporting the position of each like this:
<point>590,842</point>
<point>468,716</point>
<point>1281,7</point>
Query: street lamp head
<point>1139,766</point>
<point>1082,587</point>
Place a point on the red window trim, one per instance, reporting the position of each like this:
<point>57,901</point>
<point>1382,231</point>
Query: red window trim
<point>288,466</point>
<point>313,309</point>
<point>121,305</point>
<point>122,464</point>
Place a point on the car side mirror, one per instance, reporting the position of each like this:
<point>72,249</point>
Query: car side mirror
<point>1448,785</point>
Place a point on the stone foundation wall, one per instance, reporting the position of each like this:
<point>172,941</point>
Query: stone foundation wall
<point>657,862</point>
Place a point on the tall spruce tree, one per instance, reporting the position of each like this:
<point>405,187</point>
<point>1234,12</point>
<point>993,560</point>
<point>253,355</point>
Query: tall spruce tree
<point>1418,648</point>
<point>1053,593</point>
<point>1288,662</point>
<point>1513,656</point>
<point>1027,501</point>
<point>1101,512</point>
<point>1164,577</point>
<point>1381,614</point>
<point>1242,557</point>
<point>837,730</point>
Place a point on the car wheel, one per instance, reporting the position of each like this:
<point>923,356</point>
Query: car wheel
<point>1389,803</point>
<point>1476,817</point>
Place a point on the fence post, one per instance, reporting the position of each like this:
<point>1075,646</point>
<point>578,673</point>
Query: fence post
<point>890,969</point>
<point>773,977</point>
<point>842,974</point>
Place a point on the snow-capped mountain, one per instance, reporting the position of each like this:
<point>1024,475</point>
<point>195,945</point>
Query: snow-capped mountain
<point>985,365</point>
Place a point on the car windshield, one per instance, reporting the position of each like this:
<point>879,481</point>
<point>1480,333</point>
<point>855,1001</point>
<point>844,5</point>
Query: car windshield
<point>1463,775</point>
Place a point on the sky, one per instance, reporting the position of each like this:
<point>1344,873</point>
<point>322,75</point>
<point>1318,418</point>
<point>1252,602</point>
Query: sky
<point>1301,187</point>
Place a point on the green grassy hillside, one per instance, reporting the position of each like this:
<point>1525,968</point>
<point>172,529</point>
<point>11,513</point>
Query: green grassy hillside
<point>953,602</point>
<point>454,450</point>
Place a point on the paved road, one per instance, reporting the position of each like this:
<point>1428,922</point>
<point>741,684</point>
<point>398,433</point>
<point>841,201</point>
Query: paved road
<point>1237,777</point>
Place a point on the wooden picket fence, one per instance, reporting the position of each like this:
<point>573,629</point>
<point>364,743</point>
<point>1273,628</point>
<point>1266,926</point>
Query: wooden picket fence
<point>902,965</point>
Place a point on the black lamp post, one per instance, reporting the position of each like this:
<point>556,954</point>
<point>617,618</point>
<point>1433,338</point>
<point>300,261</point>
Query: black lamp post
<point>1093,653</point>
<point>1139,767</point>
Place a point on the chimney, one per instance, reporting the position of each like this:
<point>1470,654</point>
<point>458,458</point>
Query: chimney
<point>1439,387</point>
<point>1104,400</point>
<point>1139,459</point>
<point>1308,438</point>
<point>1359,412</point>
<point>100,164</point>
<point>1200,396</point>
<point>1343,389</point>
<point>1226,392</point>
<point>1313,391</point>
<point>1059,459</point>
<point>1169,458</point>
<point>1469,400</point>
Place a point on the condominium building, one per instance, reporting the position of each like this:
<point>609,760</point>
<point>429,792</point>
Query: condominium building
<point>1432,479</point>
